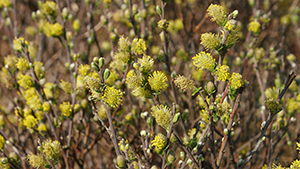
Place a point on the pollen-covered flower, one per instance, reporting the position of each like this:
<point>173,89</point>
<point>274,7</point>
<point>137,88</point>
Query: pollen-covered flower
<point>51,149</point>
<point>53,30</point>
<point>49,8</point>
<point>138,46</point>
<point>223,109</point>
<point>211,41</point>
<point>25,81</point>
<point>222,73</point>
<point>22,64</point>
<point>42,127</point>
<point>163,24</point>
<point>184,83</point>
<point>30,121</point>
<point>49,88</point>
<point>133,79</point>
<point>295,164</point>
<point>122,56</point>
<point>39,69</point>
<point>204,61</point>
<point>66,109</point>
<point>66,86</point>
<point>2,142</point>
<point>146,63</point>
<point>236,81</point>
<point>160,141</point>
<point>217,13</point>
<point>36,161</point>
<point>112,97</point>
<point>84,70</point>
<point>141,92</point>
<point>272,105</point>
<point>5,3</point>
<point>124,44</point>
<point>162,115</point>
<point>94,84</point>
<point>254,27</point>
<point>271,92</point>
<point>19,43</point>
<point>158,81</point>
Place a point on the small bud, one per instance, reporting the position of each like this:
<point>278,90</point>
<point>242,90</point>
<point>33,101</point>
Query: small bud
<point>74,75</point>
<point>150,121</point>
<point>289,143</point>
<point>65,13</point>
<point>176,118</point>
<point>173,138</point>
<point>33,15</point>
<point>182,155</point>
<point>106,74</point>
<point>262,124</point>
<point>171,157</point>
<point>263,138</point>
<point>134,9</point>
<point>136,66</point>
<point>158,10</point>
<point>143,133</point>
<point>95,67</point>
<point>235,13</point>
<point>96,60</point>
<point>210,87</point>
<point>70,17</point>
<point>101,62</point>
<point>7,21</point>
<point>189,162</point>
<point>225,131</point>
<point>120,162</point>
<point>4,160</point>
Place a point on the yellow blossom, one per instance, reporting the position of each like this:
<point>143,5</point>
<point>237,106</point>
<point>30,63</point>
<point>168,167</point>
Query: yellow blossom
<point>162,115</point>
<point>138,46</point>
<point>124,44</point>
<point>204,61</point>
<point>30,121</point>
<point>160,141</point>
<point>22,64</point>
<point>211,41</point>
<point>5,3</point>
<point>217,13</point>
<point>19,44</point>
<point>163,24</point>
<point>222,73</point>
<point>133,79</point>
<point>36,161</point>
<point>66,109</point>
<point>236,81</point>
<point>146,63</point>
<point>39,69</point>
<point>51,149</point>
<point>184,83</point>
<point>84,70</point>
<point>112,97</point>
<point>53,30</point>
<point>158,81</point>
<point>66,86</point>
<point>254,27</point>
<point>76,25</point>
<point>223,109</point>
<point>25,81</point>
<point>49,8</point>
<point>42,127</point>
